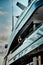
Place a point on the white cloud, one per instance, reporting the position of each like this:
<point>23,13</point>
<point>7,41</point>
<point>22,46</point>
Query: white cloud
<point>5,32</point>
<point>5,27</point>
<point>3,13</point>
<point>4,37</point>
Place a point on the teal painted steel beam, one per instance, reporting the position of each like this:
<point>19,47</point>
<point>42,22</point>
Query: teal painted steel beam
<point>25,16</point>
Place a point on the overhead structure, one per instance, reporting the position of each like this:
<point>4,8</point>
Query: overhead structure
<point>31,33</point>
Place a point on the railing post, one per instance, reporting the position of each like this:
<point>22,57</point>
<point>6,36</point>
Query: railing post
<point>35,61</point>
<point>39,60</point>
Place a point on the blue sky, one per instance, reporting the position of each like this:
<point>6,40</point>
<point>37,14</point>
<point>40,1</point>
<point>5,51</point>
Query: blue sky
<point>6,15</point>
<point>5,18</point>
<point>5,11</point>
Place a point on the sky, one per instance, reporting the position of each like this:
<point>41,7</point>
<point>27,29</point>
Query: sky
<point>5,19</point>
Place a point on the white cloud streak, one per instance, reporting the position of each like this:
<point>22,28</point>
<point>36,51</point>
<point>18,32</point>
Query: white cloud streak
<point>5,32</point>
<point>3,13</point>
<point>5,27</point>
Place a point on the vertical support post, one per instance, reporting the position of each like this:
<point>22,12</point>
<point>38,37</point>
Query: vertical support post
<point>12,17</point>
<point>34,26</point>
<point>39,60</point>
<point>5,59</point>
<point>12,23</point>
<point>34,61</point>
